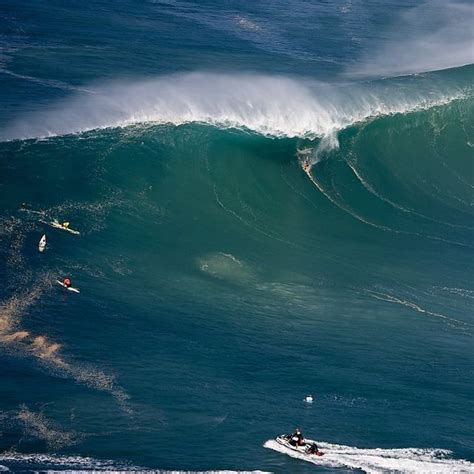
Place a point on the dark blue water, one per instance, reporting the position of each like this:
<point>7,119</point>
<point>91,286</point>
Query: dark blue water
<point>219,283</point>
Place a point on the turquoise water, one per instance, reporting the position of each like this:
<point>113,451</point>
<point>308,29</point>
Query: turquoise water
<point>220,284</point>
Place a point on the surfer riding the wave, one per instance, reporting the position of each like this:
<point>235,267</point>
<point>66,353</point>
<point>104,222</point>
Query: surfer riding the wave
<point>306,166</point>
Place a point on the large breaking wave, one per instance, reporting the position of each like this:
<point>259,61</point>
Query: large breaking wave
<point>399,181</point>
<point>269,105</point>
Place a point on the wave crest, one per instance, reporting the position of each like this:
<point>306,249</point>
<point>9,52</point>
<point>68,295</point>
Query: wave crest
<point>269,105</point>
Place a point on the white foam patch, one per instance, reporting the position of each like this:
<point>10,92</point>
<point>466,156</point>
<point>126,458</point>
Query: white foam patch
<point>226,266</point>
<point>378,460</point>
<point>37,425</point>
<point>55,463</point>
<point>48,462</point>
<point>269,105</point>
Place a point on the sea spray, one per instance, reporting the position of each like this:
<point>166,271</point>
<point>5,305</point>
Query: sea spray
<point>270,105</point>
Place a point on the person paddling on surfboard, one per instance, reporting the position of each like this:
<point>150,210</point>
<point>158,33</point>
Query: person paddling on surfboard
<point>67,284</point>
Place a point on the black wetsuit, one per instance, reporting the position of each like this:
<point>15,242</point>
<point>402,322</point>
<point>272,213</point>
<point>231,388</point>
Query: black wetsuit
<point>313,449</point>
<point>296,439</point>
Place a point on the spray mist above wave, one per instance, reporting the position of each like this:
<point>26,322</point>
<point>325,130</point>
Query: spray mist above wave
<point>432,36</point>
<point>269,105</point>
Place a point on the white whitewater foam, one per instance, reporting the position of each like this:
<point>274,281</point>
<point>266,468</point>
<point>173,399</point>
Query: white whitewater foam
<point>55,463</point>
<point>48,462</point>
<point>269,105</point>
<point>407,460</point>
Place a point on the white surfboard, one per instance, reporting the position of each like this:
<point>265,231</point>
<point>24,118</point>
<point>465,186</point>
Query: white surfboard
<point>69,288</point>
<point>42,243</point>
<point>57,225</point>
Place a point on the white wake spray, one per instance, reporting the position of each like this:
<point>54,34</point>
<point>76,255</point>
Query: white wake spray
<point>269,105</point>
<point>379,460</point>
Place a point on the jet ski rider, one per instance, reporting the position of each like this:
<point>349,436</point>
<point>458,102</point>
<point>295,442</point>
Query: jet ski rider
<point>297,438</point>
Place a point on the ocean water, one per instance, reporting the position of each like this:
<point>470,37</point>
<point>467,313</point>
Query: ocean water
<point>220,283</point>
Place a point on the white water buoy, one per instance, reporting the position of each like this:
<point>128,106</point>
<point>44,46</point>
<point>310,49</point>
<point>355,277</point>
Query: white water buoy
<point>308,399</point>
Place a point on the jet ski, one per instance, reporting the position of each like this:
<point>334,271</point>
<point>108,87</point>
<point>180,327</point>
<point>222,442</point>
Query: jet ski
<point>309,447</point>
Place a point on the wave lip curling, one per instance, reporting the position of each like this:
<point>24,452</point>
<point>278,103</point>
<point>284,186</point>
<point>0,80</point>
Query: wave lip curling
<point>270,105</point>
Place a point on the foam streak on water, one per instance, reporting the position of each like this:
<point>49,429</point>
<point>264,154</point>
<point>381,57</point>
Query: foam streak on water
<point>55,463</point>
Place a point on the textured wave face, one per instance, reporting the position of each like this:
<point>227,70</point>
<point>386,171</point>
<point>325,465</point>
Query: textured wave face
<point>240,240</point>
<point>171,215</point>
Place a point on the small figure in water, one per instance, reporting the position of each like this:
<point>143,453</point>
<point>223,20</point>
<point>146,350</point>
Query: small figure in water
<point>297,438</point>
<point>308,399</point>
<point>67,282</point>
<point>306,166</point>
<point>65,225</point>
